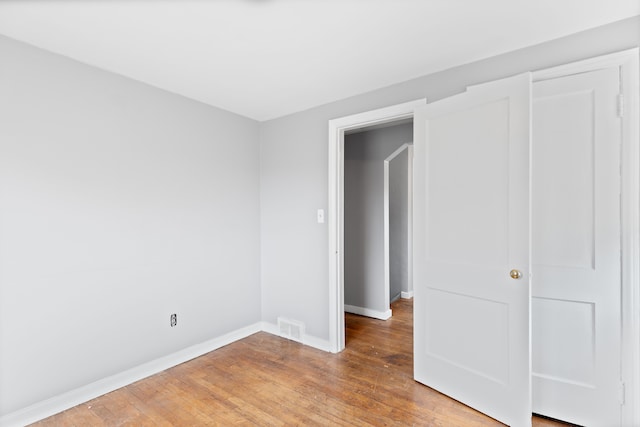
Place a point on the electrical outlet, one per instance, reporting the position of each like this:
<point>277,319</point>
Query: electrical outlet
<point>174,320</point>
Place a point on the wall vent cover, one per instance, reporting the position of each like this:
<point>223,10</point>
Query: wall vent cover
<point>291,329</point>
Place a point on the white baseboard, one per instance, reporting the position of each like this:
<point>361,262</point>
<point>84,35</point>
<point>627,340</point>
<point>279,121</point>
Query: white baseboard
<point>309,340</point>
<point>382,315</point>
<point>54,405</point>
<point>270,328</point>
<point>406,295</point>
<point>318,343</point>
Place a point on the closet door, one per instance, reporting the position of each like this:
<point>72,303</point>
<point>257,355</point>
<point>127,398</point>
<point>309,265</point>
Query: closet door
<point>576,311</point>
<point>471,248</point>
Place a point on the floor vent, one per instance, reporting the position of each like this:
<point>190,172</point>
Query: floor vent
<point>291,329</point>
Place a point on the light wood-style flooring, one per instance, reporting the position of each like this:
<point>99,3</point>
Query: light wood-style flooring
<point>265,380</point>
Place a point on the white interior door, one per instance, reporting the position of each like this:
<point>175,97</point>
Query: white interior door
<point>576,311</point>
<point>471,227</point>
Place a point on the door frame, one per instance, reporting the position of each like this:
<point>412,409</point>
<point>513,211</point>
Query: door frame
<point>337,129</point>
<point>387,236</point>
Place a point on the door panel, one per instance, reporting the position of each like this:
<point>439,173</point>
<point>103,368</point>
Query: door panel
<point>566,328</point>
<point>576,308</point>
<point>480,347</point>
<point>471,227</point>
<point>564,173</point>
<point>478,235</point>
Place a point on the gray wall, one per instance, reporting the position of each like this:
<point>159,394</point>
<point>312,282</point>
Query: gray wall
<point>293,167</point>
<point>398,224</point>
<point>121,204</point>
<point>364,155</point>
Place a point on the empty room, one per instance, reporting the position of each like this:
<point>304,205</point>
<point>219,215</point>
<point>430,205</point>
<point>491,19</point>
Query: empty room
<point>199,213</point>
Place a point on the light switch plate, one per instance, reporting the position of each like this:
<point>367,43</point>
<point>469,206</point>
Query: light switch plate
<point>320,216</point>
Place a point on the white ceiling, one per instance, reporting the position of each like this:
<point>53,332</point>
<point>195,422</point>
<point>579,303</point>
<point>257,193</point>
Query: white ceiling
<point>268,58</point>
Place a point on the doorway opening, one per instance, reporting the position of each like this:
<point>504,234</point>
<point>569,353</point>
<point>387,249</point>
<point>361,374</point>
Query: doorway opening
<point>337,130</point>
<point>377,218</point>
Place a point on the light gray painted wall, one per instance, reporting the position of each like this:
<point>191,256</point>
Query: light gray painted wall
<point>364,155</point>
<point>120,204</point>
<point>293,175</point>
<point>398,223</point>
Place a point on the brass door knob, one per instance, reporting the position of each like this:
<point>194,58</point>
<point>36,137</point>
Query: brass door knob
<point>515,274</point>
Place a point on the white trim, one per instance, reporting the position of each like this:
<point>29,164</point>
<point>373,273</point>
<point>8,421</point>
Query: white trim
<point>309,340</point>
<point>630,82</point>
<point>598,63</point>
<point>337,128</point>
<point>56,404</point>
<point>406,295</point>
<point>628,62</point>
<point>362,311</point>
<point>315,342</point>
<point>592,64</point>
<point>410,225</point>
<point>398,151</point>
<point>387,237</point>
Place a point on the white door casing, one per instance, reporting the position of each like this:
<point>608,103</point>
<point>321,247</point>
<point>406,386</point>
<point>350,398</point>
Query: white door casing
<point>471,227</point>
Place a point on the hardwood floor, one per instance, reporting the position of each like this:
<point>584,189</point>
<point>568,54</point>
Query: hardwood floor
<point>269,381</point>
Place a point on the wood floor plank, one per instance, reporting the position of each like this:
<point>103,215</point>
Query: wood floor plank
<point>265,380</point>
